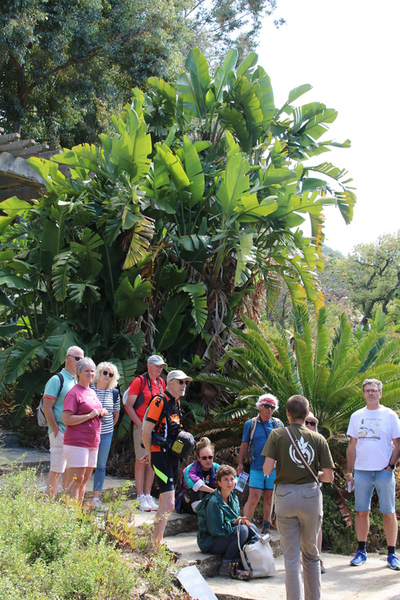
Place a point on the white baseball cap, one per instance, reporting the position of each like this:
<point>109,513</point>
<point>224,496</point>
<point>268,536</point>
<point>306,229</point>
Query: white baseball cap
<point>155,359</point>
<point>178,375</point>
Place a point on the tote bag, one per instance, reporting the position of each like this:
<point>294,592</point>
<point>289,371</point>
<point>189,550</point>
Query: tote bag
<point>257,556</point>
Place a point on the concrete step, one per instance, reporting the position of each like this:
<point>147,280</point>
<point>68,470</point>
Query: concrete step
<point>177,524</point>
<point>207,564</point>
<point>9,439</point>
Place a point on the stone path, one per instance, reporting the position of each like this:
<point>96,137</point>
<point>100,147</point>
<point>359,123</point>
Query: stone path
<point>340,582</point>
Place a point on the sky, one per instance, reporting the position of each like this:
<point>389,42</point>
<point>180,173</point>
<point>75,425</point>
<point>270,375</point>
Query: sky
<point>348,50</point>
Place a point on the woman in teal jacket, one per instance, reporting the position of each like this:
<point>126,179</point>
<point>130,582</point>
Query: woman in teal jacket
<point>219,518</point>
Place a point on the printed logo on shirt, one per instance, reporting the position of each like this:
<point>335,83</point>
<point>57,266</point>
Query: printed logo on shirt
<point>307,451</point>
<point>369,429</point>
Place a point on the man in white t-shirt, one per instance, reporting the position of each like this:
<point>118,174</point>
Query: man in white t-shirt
<point>373,452</point>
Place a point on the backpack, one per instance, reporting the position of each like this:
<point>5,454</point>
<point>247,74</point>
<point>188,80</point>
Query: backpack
<point>183,443</point>
<point>275,424</point>
<point>41,419</point>
<point>142,386</point>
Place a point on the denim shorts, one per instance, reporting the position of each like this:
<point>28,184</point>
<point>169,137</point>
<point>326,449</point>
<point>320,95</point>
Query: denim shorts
<point>260,481</point>
<point>384,483</point>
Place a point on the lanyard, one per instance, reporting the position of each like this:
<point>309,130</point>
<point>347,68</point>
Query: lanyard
<point>150,387</point>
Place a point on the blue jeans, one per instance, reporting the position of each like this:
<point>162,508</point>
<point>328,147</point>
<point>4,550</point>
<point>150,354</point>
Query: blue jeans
<point>104,449</point>
<point>384,483</point>
<point>228,546</point>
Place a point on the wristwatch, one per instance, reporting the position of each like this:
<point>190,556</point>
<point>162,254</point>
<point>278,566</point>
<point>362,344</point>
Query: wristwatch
<point>391,466</point>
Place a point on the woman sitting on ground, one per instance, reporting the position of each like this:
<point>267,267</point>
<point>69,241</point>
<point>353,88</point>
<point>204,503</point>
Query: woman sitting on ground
<point>81,414</point>
<point>198,478</point>
<point>105,385</point>
<point>219,519</point>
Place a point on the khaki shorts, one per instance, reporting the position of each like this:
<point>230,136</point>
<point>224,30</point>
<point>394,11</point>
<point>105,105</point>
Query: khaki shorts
<point>137,439</point>
<point>57,457</point>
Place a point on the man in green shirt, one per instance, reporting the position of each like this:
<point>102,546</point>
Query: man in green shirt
<point>298,498</point>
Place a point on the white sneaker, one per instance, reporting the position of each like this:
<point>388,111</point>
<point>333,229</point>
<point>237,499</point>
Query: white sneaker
<point>151,503</point>
<point>143,504</point>
<point>97,504</point>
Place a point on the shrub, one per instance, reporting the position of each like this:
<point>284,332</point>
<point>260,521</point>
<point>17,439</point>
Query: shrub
<point>54,551</point>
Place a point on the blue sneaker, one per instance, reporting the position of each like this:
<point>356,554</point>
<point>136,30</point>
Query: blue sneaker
<point>360,558</point>
<point>393,562</point>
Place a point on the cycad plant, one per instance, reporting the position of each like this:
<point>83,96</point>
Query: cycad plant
<point>328,372</point>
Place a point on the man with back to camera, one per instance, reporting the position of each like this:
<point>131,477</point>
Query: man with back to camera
<point>141,391</point>
<point>255,434</point>
<point>298,497</point>
<point>53,403</point>
<point>164,419</point>
<point>373,451</point>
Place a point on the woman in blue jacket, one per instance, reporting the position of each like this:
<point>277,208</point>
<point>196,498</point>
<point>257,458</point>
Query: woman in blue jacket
<point>198,478</point>
<point>219,518</point>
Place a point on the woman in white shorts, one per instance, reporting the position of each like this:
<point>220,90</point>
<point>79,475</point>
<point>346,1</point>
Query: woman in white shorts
<point>81,414</point>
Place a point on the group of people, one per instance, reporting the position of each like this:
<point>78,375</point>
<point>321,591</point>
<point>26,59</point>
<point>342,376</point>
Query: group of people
<point>294,460</point>
<point>81,405</point>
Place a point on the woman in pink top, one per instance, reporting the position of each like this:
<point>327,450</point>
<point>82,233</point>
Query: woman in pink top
<point>81,414</point>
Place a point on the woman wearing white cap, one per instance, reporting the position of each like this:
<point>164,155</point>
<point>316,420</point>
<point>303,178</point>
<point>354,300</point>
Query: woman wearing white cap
<point>312,424</point>
<point>141,391</point>
<point>255,435</point>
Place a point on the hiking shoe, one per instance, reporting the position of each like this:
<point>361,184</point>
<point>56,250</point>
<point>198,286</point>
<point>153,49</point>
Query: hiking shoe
<point>359,559</point>
<point>151,503</point>
<point>143,504</point>
<point>224,570</point>
<point>321,564</point>
<point>393,562</point>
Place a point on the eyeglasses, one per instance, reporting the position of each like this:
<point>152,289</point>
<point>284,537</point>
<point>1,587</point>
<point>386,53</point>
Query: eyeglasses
<point>206,457</point>
<point>105,373</point>
<point>312,423</point>
<point>75,357</point>
<point>268,406</point>
<point>371,391</point>
<point>181,381</point>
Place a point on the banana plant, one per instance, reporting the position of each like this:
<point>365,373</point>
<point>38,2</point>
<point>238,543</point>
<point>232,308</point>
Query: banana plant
<point>162,233</point>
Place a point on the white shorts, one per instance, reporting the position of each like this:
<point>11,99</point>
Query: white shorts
<point>79,458</point>
<point>57,458</point>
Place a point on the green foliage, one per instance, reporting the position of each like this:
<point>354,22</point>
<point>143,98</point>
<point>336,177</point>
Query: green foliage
<point>329,373</point>
<point>372,275</point>
<point>65,66</point>
<point>170,228</point>
<point>50,550</point>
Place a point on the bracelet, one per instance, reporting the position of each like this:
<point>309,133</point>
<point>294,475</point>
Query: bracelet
<point>349,474</point>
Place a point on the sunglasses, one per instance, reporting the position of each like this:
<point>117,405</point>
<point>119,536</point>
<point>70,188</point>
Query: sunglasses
<point>312,423</point>
<point>75,357</point>
<point>105,373</point>
<point>268,406</point>
<point>181,381</point>
<point>206,457</point>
